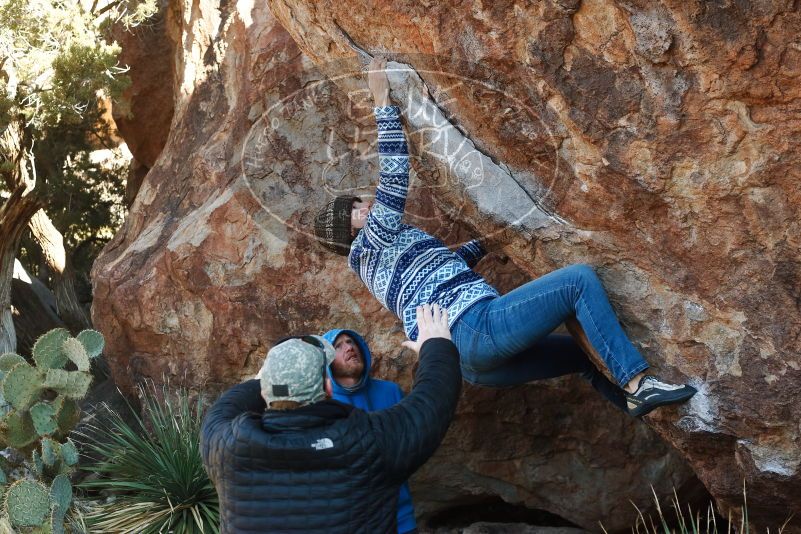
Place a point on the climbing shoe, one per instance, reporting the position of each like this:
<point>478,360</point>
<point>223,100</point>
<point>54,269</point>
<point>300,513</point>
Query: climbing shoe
<point>651,393</point>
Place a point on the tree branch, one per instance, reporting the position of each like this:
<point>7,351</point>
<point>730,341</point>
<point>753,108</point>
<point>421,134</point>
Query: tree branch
<point>50,240</point>
<point>108,7</point>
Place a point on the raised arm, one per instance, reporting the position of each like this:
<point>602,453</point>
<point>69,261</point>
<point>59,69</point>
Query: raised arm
<point>384,220</point>
<point>471,252</point>
<point>411,431</point>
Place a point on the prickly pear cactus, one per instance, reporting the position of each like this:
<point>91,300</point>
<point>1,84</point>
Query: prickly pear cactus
<point>16,429</point>
<point>48,350</point>
<point>27,503</point>
<point>71,384</point>
<point>51,452</point>
<point>92,341</point>
<point>9,360</point>
<point>28,410</point>
<point>22,386</point>
<point>43,415</point>
<point>60,499</point>
<point>69,453</point>
<point>77,354</point>
<point>38,409</point>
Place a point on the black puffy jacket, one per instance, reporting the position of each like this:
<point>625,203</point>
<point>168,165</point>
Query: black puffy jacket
<point>327,467</point>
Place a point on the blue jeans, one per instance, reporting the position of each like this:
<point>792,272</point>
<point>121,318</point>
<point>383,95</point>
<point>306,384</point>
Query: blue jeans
<point>503,341</point>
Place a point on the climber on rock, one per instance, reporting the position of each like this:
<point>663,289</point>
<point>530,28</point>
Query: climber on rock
<point>285,457</point>
<point>352,384</point>
<point>503,340</point>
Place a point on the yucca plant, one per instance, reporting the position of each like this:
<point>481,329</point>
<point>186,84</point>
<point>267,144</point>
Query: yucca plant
<point>151,470</point>
<point>694,522</point>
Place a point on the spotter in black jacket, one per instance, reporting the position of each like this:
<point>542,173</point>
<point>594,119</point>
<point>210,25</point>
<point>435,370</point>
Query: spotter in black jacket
<point>326,467</point>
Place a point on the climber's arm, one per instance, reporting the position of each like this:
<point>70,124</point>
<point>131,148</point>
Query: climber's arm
<point>472,252</point>
<point>384,220</point>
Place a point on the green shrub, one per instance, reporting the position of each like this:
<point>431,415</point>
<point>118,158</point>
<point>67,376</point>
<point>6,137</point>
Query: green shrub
<point>152,470</point>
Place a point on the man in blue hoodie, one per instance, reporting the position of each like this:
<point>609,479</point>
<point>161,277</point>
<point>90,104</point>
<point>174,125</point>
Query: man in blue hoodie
<point>352,384</point>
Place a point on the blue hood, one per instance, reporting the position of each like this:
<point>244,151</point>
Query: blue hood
<point>331,335</point>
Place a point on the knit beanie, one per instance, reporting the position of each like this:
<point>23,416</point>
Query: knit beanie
<point>332,225</point>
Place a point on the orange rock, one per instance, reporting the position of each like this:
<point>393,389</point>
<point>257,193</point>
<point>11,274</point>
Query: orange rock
<point>647,141</point>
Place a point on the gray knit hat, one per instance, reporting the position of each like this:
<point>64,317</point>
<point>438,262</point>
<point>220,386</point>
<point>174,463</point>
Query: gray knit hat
<point>295,369</point>
<point>332,225</point>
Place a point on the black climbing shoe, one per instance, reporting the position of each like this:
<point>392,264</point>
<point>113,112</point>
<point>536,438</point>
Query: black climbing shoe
<point>651,394</point>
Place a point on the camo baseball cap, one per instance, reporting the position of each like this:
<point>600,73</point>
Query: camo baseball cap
<point>294,370</point>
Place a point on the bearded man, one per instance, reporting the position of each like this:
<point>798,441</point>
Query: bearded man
<point>352,384</point>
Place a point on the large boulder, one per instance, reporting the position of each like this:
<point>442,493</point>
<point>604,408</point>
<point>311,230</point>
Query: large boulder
<point>215,260</point>
<point>658,141</point>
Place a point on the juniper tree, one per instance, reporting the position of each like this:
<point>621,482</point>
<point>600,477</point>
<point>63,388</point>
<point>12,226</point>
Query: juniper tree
<point>56,67</point>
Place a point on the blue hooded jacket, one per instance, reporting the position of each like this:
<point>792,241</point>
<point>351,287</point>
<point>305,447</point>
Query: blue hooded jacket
<point>371,394</point>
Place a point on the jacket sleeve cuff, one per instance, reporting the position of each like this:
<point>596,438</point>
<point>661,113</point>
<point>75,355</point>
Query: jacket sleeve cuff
<point>386,112</point>
<point>438,345</point>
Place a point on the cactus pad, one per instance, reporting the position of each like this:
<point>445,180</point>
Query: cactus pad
<point>47,351</point>
<point>56,523</point>
<point>9,360</point>
<point>43,415</point>
<point>21,386</point>
<point>17,429</point>
<point>68,414</point>
<point>61,493</point>
<point>72,384</point>
<point>51,452</point>
<point>27,503</point>
<point>92,341</point>
<point>60,499</point>
<point>69,453</point>
<point>37,464</point>
<point>76,353</point>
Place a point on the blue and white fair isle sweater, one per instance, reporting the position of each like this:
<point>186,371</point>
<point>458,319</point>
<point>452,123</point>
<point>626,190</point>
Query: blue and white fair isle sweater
<point>401,265</point>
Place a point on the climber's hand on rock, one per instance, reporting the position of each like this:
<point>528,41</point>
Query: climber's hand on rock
<point>377,81</point>
<point>432,321</point>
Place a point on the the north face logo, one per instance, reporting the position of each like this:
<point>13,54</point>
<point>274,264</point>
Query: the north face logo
<point>323,443</point>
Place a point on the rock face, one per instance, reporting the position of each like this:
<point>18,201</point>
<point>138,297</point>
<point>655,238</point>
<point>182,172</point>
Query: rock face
<point>145,120</point>
<point>657,142</point>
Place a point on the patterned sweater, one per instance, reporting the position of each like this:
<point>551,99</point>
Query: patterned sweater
<point>402,266</point>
